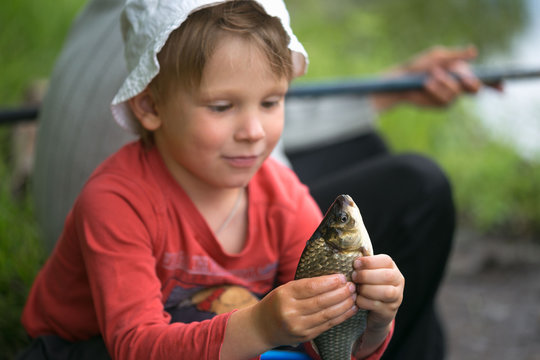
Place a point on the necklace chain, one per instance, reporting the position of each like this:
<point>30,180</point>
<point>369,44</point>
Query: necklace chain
<point>232,213</point>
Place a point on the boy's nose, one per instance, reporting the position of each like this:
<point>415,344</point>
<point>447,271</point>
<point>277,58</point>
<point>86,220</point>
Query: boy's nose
<point>251,128</point>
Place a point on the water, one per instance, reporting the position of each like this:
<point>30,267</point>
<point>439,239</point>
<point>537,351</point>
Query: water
<point>514,115</point>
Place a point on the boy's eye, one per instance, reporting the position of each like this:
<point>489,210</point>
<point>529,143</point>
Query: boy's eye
<point>219,107</point>
<point>267,104</point>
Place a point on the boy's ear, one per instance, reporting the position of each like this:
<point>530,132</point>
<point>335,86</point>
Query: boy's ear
<point>144,108</point>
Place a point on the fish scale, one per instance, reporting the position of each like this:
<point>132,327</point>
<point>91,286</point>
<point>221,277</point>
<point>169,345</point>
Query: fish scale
<point>321,256</point>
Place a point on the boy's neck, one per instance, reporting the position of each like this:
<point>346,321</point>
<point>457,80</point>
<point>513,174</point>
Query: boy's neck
<point>225,213</point>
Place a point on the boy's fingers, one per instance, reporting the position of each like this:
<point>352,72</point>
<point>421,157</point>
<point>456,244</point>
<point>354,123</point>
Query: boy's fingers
<point>338,297</point>
<point>378,277</point>
<point>380,272</point>
<point>307,288</point>
<point>384,294</point>
<point>333,317</point>
<point>387,309</point>
<point>330,312</point>
<point>312,326</point>
<point>374,262</point>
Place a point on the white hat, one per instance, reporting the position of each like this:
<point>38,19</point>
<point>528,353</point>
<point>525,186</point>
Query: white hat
<point>145,33</point>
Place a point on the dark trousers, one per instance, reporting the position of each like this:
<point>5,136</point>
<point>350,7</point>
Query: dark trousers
<point>52,347</point>
<point>407,207</point>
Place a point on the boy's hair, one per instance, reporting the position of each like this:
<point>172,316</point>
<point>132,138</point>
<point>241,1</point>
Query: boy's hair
<point>183,57</point>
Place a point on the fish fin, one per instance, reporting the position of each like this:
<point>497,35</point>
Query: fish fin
<point>314,347</point>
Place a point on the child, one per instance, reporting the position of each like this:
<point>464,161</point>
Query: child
<point>175,238</point>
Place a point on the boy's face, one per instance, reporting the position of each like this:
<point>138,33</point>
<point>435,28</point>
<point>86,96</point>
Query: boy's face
<point>221,134</point>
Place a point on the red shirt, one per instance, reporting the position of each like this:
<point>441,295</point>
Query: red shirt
<point>134,243</point>
<point>135,249</point>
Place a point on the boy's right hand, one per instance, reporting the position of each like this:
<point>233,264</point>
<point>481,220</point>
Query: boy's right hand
<point>302,309</point>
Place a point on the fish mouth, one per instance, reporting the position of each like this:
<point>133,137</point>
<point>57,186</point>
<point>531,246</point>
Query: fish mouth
<point>345,200</point>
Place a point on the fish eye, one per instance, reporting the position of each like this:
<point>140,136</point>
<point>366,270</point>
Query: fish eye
<point>343,217</point>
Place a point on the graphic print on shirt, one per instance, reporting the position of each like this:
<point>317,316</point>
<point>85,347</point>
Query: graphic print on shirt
<point>199,288</point>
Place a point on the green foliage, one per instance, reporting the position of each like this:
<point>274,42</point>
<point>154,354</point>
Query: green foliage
<point>341,40</point>
<point>31,37</point>
<point>354,37</point>
<point>414,25</point>
<point>496,190</point>
<point>32,34</point>
<point>21,255</point>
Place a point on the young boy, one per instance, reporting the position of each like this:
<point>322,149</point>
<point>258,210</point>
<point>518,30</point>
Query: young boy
<point>175,238</point>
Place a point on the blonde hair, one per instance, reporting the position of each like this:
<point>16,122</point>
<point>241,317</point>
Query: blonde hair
<point>188,48</point>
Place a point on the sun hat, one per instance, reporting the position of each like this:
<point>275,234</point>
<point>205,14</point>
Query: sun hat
<point>146,26</point>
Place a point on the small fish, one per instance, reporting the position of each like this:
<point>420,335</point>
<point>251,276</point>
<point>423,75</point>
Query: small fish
<point>340,238</point>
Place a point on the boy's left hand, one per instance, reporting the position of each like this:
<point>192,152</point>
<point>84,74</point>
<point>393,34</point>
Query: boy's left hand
<point>380,287</point>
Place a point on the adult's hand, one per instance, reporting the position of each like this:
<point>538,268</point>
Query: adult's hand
<point>441,87</point>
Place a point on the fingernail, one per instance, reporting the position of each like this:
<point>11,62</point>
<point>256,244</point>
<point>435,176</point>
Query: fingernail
<point>342,278</point>
<point>352,288</point>
<point>354,276</point>
<point>357,263</point>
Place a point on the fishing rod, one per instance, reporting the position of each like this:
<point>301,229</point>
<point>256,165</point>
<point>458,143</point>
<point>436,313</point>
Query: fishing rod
<point>15,115</point>
<point>356,86</point>
<point>402,83</point>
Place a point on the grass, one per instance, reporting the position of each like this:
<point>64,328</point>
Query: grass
<point>31,37</point>
<point>495,189</point>
<point>21,255</point>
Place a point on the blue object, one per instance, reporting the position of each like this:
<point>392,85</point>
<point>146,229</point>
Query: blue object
<point>285,355</point>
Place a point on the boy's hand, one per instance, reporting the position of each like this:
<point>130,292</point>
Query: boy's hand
<point>292,313</point>
<point>380,287</point>
<point>302,309</point>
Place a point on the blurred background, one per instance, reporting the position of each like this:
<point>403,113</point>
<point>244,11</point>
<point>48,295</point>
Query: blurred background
<point>489,145</point>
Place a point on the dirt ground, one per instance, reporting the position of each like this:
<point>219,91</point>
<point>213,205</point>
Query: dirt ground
<point>490,299</point>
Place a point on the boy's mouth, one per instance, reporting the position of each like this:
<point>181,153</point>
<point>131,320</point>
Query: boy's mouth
<point>242,161</point>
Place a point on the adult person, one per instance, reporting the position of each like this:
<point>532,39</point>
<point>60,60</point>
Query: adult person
<point>410,215</point>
